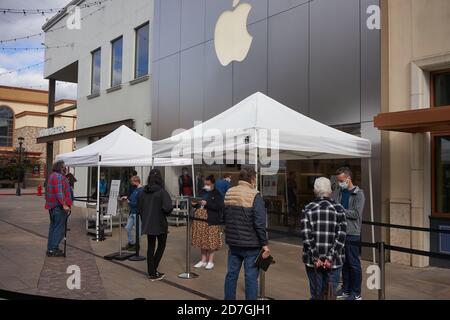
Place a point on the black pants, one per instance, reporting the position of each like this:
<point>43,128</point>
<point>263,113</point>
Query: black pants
<point>154,258</point>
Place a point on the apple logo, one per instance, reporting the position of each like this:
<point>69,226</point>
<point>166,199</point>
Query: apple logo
<point>231,38</point>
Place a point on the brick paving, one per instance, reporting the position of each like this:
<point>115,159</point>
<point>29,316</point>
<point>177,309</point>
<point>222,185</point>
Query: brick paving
<point>53,277</point>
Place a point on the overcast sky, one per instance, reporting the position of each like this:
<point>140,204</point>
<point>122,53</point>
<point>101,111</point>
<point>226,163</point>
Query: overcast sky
<point>18,25</point>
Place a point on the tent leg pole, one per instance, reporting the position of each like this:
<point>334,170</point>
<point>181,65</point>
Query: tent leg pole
<point>97,226</point>
<point>371,209</point>
<point>194,187</point>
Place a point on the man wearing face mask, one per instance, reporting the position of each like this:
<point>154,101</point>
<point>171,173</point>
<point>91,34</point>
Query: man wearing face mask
<point>224,184</point>
<point>352,198</point>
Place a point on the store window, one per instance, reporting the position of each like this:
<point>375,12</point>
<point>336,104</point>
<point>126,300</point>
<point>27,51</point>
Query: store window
<point>116,61</point>
<point>286,193</point>
<point>107,174</point>
<point>441,89</point>
<point>6,126</point>
<point>96,68</point>
<point>442,175</point>
<point>142,50</point>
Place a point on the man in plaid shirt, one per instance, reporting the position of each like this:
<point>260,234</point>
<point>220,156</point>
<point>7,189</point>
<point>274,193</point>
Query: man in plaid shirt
<point>323,231</point>
<point>58,201</point>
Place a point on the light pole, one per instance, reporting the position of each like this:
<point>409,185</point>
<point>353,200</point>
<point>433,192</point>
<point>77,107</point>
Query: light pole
<point>19,166</point>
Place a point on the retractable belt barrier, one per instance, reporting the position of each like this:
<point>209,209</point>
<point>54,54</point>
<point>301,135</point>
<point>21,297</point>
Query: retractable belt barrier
<point>380,246</point>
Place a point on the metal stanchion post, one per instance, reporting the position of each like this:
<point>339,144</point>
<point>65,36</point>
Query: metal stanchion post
<point>137,256</point>
<point>381,265</point>
<point>188,274</point>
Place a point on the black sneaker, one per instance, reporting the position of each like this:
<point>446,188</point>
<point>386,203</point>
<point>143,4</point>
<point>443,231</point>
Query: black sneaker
<point>55,253</point>
<point>129,247</point>
<point>160,274</point>
<point>156,277</point>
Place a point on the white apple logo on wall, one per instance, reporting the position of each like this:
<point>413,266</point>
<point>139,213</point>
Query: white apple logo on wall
<point>231,38</point>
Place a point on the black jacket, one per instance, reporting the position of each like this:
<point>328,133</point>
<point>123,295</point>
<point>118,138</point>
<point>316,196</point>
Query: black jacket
<point>214,206</point>
<point>153,205</point>
<point>246,227</point>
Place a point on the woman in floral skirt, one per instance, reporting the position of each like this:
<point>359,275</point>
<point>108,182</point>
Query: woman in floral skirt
<point>206,234</point>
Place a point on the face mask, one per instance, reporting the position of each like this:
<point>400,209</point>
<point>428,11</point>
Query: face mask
<point>343,185</point>
<point>207,188</point>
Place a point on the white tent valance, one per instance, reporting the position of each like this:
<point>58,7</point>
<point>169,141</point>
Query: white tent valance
<point>121,148</point>
<point>275,126</point>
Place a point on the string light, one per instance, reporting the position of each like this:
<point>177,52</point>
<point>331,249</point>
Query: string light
<point>47,10</point>
<point>24,68</point>
<point>36,49</point>
<point>52,30</point>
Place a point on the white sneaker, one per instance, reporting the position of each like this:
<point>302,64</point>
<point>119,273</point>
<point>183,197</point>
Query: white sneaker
<point>200,264</point>
<point>209,266</point>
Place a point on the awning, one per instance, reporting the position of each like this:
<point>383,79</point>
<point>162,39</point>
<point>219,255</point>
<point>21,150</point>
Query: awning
<point>87,132</point>
<point>415,121</point>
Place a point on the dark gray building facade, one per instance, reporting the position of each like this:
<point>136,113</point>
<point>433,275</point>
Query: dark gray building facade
<point>318,57</point>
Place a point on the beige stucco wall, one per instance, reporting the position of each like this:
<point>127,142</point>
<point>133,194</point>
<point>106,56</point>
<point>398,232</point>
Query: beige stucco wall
<point>418,31</point>
<point>30,116</point>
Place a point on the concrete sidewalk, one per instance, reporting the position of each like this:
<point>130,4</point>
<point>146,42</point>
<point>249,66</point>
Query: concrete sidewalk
<point>24,267</point>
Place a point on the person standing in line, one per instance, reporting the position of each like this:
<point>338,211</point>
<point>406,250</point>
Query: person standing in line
<point>352,198</point>
<point>323,231</point>
<point>132,202</point>
<point>153,206</point>
<point>245,234</point>
<point>58,201</point>
<point>222,185</point>
<point>206,234</point>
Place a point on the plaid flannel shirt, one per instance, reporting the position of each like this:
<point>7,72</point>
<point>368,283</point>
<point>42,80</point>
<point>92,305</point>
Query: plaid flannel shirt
<point>57,192</point>
<point>323,231</point>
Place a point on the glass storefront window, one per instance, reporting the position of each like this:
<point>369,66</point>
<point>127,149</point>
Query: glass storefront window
<point>286,193</point>
<point>442,174</point>
<point>441,83</point>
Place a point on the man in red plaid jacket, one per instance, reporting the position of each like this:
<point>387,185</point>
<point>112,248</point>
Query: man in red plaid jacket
<point>58,201</point>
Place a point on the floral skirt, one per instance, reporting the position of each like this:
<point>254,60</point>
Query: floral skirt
<point>204,236</point>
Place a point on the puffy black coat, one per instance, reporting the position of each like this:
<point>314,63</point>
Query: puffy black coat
<point>246,227</point>
<point>154,205</point>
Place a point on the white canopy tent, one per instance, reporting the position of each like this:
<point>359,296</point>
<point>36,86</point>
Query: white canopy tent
<point>121,148</point>
<point>260,123</point>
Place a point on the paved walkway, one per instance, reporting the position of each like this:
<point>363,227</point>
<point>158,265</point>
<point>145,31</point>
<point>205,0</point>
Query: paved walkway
<point>24,268</point>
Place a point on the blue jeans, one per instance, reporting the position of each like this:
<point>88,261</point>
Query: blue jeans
<point>322,279</point>
<point>351,271</point>
<point>58,218</point>
<point>129,227</point>
<point>236,256</point>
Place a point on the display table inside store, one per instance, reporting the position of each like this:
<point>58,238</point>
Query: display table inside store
<point>179,212</point>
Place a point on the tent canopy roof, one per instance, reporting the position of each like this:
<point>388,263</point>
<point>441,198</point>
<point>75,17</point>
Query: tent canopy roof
<point>121,148</point>
<point>278,127</point>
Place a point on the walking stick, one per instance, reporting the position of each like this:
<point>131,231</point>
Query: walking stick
<point>65,231</point>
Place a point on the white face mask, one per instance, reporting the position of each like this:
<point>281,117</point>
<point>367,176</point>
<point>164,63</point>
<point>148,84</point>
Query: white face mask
<point>207,188</point>
<point>343,185</point>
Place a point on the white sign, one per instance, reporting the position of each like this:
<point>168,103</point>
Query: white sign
<point>270,185</point>
<point>113,197</point>
<point>51,131</point>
